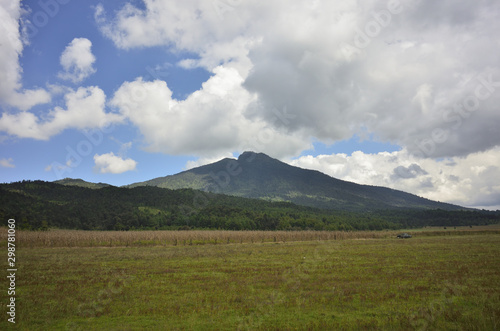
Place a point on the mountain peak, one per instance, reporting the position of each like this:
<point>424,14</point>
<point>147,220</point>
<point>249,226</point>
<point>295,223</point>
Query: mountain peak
<point>249,156</point>
<point>257,175</point>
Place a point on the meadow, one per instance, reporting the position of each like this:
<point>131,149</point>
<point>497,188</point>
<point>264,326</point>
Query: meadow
<point>223,280</point>
<point>78,238</point>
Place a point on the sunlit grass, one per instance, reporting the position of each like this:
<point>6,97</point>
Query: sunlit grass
<point>427,282</point>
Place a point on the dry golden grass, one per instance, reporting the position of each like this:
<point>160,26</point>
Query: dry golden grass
<point>79,238</point>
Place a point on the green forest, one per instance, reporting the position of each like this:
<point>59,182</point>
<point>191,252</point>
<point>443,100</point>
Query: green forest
<point>39,205</point>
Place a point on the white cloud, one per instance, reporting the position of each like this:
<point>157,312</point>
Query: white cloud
<point>399,92</point>
<point>395,69</point>
<point>85,109</point>
<point>456,180</point>
<point>110,163</point>
<point>7,163</point>
<point>184,25</point>
<point>77,60</point>
<point>421,74</point>
<point>11,89</point>
<point>209,122</point>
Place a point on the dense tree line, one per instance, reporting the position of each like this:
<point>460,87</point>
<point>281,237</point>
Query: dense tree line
<point>42,205</point>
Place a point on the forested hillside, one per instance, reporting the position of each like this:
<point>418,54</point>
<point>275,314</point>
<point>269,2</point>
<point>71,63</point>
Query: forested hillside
<point>256,175</point>
<point>80,183</point>
<point>41,205</point>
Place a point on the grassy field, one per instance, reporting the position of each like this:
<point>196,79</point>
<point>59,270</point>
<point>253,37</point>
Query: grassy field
<point>434,281</point>
<point>76,238</point>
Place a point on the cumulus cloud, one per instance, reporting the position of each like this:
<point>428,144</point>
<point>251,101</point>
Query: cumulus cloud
<point>421,74</point>
<point>468,181</point>
<point>12,92</point>
<point>184,25</point>
<point>111,164</point>
<point>85,109</point>
<point>400,84</point>
<point>7,163</point>
<point>77,60</point>
<point>411,171</point>
<point>209,122</point>
<point>416,73</point>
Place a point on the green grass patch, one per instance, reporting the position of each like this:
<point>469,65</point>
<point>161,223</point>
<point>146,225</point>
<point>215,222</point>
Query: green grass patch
<point>437,282</point>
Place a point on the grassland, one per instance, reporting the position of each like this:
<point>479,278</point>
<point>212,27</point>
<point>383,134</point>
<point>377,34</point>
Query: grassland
<point>261,281</point>
<point>78,238</point>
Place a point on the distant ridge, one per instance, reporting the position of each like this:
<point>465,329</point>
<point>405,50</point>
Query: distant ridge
<point>80,183</point>
<point>256,175</point>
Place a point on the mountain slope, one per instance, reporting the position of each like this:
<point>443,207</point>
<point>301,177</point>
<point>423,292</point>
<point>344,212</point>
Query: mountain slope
<point>43,205</point>
<point>256,175</point>
<point>80,183</point>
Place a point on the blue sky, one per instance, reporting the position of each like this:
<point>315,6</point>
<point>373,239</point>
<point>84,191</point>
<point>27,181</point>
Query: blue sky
<point>401,94</point>
<point>40,63</point>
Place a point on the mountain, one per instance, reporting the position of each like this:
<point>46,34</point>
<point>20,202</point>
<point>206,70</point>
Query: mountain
<point>256,175</point>
<point>80,183</point>
<point>40,205</point>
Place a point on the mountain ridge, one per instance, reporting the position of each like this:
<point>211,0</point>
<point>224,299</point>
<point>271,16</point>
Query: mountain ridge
<point>80,183</point>
<point>257,175</point>
<point>39,205</point>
